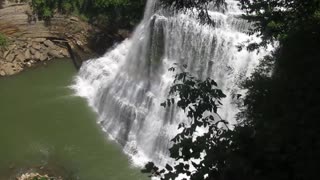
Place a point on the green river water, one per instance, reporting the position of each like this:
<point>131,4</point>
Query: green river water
<point>43,126</point>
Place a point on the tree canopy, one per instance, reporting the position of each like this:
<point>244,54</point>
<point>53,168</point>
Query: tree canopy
<point>106,13</point>
<point>275,20</point>
<point>200,5</point>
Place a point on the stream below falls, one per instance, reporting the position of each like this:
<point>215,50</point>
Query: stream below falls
<point>44,126</point>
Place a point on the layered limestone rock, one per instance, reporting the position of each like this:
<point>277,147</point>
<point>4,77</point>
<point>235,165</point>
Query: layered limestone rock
<point>32,41</point>
<point>26,53</point>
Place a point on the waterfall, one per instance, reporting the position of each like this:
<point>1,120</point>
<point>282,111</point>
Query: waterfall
<point>127,85</point>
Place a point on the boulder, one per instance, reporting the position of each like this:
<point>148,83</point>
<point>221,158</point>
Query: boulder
<point>11,47</point>
<point>74,19</point>
<point>10,57</point>
<point>49,44</point>
<point>2,73</point>
<point>5,54</point>
<point>43,48</point>
<point>39,39</point>
<point>43,57</point>
<point>18,69</point>
<point>11,68</point>
<point>32,51</point>
<point>36,45</point>
<point>37,55</point>
<point>20,57</point>
<point>55,54</point>
<point>27,54</point>
<point>124,33</point>
<point>65,52</point>
<point>29,64</point>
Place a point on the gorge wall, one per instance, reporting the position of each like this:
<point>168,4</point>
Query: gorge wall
<point>32,41</point>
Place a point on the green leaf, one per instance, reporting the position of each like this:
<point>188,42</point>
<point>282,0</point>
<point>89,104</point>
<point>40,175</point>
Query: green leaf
<point>168,167</point>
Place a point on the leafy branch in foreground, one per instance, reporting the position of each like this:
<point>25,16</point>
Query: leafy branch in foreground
<point>198,156</point>
<point>278,136</point>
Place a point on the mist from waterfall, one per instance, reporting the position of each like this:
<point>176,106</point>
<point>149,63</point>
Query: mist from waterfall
<point>127,85</point>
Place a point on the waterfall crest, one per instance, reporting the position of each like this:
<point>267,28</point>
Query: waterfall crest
<point>127,85</point>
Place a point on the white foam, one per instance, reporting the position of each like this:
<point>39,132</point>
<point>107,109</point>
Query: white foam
<point>126,86</point>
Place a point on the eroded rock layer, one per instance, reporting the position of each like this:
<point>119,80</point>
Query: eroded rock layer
<point>31,40</point>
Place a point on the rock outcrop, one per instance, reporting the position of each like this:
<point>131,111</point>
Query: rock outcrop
<point>32,41</point>
<point>33,176</point>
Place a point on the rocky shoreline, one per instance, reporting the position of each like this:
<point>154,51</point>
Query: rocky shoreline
<point>36,176</point>
<point>23,54</point>
<point>33,41</point>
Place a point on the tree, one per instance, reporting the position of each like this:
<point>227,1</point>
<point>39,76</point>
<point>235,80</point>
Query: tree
<point>278,135</point>
<point>282,99</point>
<point>200,5</point>
<point>275,20</point>
<point>200,101</point>
<point>106,13</point>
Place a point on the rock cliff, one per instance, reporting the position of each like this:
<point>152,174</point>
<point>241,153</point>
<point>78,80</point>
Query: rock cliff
<point>32,41</point>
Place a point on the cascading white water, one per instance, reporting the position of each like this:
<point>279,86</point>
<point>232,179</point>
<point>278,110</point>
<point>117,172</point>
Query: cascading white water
<point>127,85</point>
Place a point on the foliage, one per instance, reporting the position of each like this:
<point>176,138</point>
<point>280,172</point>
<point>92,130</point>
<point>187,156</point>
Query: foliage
<point>200,5</point>
<point>278,135</point>
<point>40,178</point>
<point>277,19</point>
<point>45,9</point>
<point>119,12</point>
<point>42,8</point>
<point>200,100</point>
<point>3,40</point>
<point>282,107</point>
<point>116,13</point>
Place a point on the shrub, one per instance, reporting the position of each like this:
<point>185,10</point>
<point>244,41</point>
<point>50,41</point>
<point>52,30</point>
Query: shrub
<point>3,40</point>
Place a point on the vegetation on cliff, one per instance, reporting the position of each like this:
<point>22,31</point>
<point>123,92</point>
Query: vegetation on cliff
<point>3,40</point>
<point>200,5</point>
<point>105,13</point>
<point>278,132</point>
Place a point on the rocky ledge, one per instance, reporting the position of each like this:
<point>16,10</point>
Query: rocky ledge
<point>22,54</point>
<point>36,176</point>
<point>32,41</point>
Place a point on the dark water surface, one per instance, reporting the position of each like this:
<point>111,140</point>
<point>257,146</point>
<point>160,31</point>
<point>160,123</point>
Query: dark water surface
<point>42,125</point>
